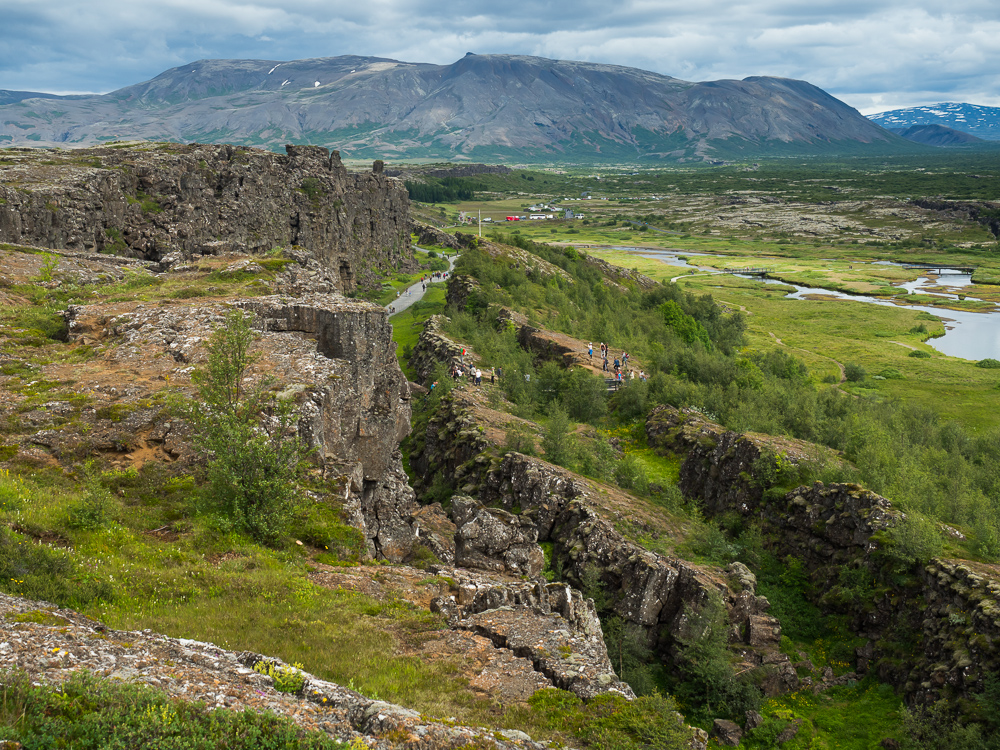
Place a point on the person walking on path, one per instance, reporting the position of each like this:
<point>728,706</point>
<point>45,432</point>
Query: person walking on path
<point>590,350</point>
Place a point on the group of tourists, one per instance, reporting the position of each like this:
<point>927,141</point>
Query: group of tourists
<point>619,369</point>
<point>475,374</point>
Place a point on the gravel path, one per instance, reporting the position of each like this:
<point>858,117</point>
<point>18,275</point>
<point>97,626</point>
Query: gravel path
<point>414,293</point>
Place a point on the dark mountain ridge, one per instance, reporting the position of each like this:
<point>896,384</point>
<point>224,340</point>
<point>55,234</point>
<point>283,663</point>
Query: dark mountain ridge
<point>482,106</point>
<point>937,135</point>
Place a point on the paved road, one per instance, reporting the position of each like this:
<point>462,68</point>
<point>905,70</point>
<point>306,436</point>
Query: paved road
<point>413,293</point>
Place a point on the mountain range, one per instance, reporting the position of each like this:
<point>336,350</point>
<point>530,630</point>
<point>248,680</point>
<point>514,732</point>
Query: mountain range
<point>975,119</point>
<point>482,107</point>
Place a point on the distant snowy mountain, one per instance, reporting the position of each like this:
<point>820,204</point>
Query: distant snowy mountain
<point>980,121</point>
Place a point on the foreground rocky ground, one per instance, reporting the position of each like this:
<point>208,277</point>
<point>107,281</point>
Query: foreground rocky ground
<point>51,644</point>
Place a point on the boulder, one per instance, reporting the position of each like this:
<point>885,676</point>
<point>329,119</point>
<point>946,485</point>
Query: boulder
<point>727,732</point>
<point>493,539</point>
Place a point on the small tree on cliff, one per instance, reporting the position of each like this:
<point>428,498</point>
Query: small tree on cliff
<point>246,434</point>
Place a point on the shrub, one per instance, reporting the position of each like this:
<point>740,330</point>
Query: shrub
<point>989,364</point>
<point>521,438</point>
<point>91,511</point>
<point>556,440</point>
<point>854,373</point>
<point>915,539</point>
<point>610,722</point>
<point>287,678</point>
<point>711,687</point>
<point>630,475</point>
<point>37,571</point>
<point>920,354</point>
<point>254,457</point>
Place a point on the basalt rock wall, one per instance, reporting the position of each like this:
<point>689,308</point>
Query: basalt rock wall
<point>333,356</point>
<point>643,587</point>
<point>932,629</point>
<point>150,201</point>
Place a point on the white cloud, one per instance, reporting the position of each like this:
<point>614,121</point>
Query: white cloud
<point>871,53</point>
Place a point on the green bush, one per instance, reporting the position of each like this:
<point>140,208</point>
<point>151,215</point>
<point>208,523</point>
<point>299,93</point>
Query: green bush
<point>915,538</point>
<point>91,511</point>
<point>629,474</point>
<point>520,438</point>
<point>287,678</point>
<point>556,440</point>
<point>610,722</point>
<point>989,364</point>
<point>710,686</point>
<point>253,462</point>
<point>919,354</point>
<point>854,373</point>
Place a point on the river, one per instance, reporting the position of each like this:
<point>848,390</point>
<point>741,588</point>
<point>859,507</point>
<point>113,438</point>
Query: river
<point>969,335</point>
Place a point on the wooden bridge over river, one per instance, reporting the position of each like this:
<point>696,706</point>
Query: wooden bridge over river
<point>939,269</point>
<point>761,273</point>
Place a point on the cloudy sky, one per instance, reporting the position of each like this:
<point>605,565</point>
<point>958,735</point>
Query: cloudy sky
<point>873,54</point>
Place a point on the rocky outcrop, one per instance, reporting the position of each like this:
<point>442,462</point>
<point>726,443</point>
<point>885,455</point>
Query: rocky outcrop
<point>618,274</point>
<point>986,213</point>
<point>434,347</point>
<point>571,514</point>
<point>149,202</point>
<point>492,539</point>
<point>644,588</point>
<point>551,625</point>
<point>932,629</point>
<point>428,235</point>
<point>460,288</point>
<point>52,644</point>
<point>333,356</point>
<point>725,469</point>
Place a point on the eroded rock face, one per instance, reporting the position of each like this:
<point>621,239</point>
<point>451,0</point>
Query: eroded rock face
<point>434,347</point>
<point>644,588</point>
<point>551,625</point>
<point>493,539</point>
<point>149,202</point>
<point>335,357</point>
<point>950,608</point>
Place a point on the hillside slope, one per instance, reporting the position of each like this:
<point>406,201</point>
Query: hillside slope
<point>482,106</point>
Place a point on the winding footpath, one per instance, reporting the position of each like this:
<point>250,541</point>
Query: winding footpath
<point>415,292</point>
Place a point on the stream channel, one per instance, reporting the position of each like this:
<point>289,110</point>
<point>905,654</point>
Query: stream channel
<point>969,335</point>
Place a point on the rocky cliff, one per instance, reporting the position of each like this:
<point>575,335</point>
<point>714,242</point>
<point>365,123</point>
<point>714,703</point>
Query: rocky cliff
<point>578,518</point>
<point>334,357</point>
<point>151,201</point>
<point>932,628</point>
